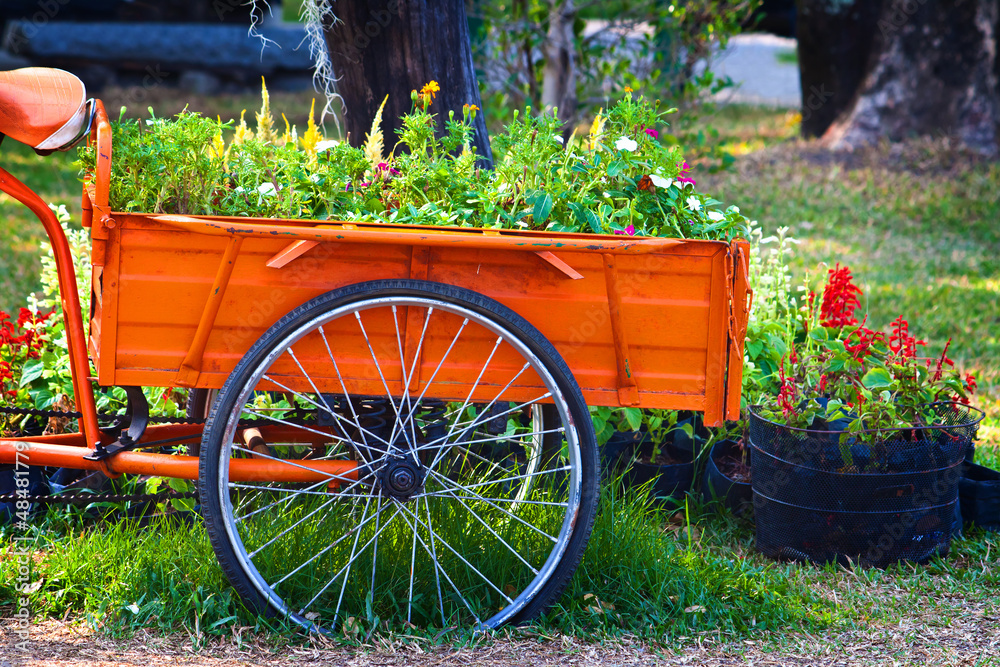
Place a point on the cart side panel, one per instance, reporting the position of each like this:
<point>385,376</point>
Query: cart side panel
<point>673,305</point>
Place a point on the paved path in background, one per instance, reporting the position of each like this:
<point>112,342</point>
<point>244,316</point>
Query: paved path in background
<point>751,61</point>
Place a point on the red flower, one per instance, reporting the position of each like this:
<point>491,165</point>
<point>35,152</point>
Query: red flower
<point>900,341</point>
<point>685,175</point>
<point>840,299</point>
<point>942,361</point>
<point>970,383</point>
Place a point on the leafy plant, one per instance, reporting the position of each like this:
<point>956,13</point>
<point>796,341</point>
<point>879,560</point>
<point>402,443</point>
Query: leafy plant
<point>869,380</point>
<point>618,179</point>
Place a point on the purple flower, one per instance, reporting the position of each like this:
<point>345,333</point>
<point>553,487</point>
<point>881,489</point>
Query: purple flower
<point>653,133</point>
<point>630,231</point>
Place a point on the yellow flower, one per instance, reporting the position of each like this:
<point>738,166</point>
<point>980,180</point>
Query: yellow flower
<point>243,132</point>
<point>469,111</point>
<point>373,142</point>
<point>218,147</point>
<point>312,136</point>
<point>597,129</point>
<point>628,89</point>
<point>291,136</point>
<point>427,93</point>
<point>265,123</point>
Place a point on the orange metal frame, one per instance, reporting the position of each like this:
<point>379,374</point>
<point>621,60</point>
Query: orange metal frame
<point>645,322</point>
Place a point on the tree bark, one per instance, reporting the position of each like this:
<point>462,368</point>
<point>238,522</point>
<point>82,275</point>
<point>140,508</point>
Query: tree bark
<point>390,47</point>
<point>835,39</point>
<point>935,73</point>
<point>559,75</point>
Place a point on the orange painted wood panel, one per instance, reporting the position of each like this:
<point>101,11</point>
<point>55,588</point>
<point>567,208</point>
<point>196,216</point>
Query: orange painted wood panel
<point>674,305</point>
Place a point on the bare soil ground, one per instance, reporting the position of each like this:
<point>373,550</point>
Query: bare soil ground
<point>969,636</point>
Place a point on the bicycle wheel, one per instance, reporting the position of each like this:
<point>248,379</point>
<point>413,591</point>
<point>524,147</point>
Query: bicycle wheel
<point>475,475</point>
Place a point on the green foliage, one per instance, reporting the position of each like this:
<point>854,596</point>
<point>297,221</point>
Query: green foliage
<point>619,179</point>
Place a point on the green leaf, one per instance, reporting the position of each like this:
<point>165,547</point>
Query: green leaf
<point>634,418</point>
<point>877,378</point>
<point>754,348</point>
<point>616,168</point>
<point>586,217</point>
<point>33,370</point>
<point>543,206</point>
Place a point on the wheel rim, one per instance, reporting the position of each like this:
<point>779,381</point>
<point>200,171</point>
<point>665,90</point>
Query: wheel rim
<point>435,528</point>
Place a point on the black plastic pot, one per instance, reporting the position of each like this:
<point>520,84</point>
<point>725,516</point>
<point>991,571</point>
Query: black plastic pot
<point>716,486</point>
<point>821,500</point>
<point>669,481</point>
<point>682,446</point>
<point>979,496</point>
<point>619,450</point>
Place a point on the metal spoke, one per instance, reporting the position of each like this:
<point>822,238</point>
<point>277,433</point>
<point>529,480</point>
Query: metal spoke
<point>475,385</point>
<point>328,476</point>
<point>406,386</point>
<point>346,438</point>
<point>514,437</point>
<point>287,530</point>
<point>433,535</point>
<point>505,479</point>
<point>347,566</point>
<point>538,530</point>
<point>343,387</point>
<point>492,532</point>
<point>385,385</point>
<point>515,501</point>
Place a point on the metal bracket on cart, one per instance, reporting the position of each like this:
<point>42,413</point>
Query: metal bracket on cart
<point>134,422</point>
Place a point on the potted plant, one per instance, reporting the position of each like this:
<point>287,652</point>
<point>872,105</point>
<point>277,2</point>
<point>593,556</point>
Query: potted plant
<point>727,476</point>
<point>636,443</point>
<point>858,456</point>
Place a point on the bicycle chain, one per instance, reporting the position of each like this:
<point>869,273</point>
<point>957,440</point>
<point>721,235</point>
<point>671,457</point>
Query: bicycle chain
<point>50,499</point>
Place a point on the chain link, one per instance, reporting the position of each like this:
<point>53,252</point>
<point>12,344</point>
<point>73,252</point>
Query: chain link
<point>87,498</point>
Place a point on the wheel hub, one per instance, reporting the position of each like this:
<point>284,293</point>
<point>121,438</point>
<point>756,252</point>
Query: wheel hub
<point>401,478</point>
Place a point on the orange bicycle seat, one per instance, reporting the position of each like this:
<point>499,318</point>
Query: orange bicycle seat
<point>42,107</point>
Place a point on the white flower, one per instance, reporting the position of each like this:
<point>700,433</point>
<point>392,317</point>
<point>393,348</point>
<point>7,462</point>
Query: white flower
<point>266,189</point>
<point>661,182</point>
<point>734,209</point>
<point>558,138</point>
<point>626,144</point>
<point>694,203</point>
<point>326,144</point>
<point>715,215</point>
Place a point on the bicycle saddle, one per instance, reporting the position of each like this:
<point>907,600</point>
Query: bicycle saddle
<point>44,108</point>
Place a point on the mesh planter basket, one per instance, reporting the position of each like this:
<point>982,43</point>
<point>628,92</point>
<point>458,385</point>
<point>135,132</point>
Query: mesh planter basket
<point>819,499</point>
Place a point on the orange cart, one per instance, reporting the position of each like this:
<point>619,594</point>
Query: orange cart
<point>395,417</point>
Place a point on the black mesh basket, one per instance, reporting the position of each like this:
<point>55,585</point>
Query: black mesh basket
<point>824,496</point>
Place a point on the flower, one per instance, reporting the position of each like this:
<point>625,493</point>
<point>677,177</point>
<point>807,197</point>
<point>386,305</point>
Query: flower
<point>628,89</point>
<point>652,133</point>
<point>430,89</point>
<point>661,182</point>
<point>693,203</point>
<point>626,144</point>
<point>559,138</point>
<point>325,145</point>
<point>266,189</point>
<point>840,299</point>
<point>715,215</point>
<point>685,175</point>
<point>630,231</point>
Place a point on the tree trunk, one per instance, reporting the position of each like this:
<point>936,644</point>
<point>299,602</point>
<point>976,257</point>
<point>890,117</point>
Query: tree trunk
<point>934,74</point>
<point>390,47</point>
<point>559,75</point>
<point>835,39</point>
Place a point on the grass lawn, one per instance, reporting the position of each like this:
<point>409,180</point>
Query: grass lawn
<point>917,224</point>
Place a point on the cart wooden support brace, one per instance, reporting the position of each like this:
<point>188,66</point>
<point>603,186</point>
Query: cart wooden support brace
<point>628,392</point>
<point>190,369</point>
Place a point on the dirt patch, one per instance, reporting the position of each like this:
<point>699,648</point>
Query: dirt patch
<point>969,637</point>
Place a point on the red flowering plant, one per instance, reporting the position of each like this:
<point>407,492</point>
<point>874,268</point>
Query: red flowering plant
<point>844,376</point>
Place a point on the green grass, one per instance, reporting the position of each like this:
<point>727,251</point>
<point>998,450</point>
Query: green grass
<point>787,57</point>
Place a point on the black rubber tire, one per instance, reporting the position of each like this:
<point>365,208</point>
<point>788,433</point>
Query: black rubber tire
<point>580,523</point>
